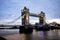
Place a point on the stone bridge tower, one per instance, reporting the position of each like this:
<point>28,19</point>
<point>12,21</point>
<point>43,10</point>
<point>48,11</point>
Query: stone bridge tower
<point>42,18</point>
<point>25,16</point>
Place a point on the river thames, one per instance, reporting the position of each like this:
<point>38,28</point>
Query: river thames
<point>13,34</point>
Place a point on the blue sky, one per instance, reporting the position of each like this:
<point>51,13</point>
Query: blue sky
<point>11,9</point>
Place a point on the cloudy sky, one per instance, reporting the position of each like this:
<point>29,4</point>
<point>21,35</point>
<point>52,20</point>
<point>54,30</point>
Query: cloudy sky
<point>11,9</point>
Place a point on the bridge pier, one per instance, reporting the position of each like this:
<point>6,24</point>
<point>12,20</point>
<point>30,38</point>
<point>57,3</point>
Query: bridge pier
<point>26,29</point>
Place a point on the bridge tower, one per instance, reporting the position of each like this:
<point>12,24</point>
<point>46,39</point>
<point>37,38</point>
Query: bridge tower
<point>42,18</point>
<point>25,16</point>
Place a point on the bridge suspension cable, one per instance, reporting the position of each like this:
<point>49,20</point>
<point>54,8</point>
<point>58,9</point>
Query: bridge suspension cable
<point>13,20</point>
<point>47,21</point>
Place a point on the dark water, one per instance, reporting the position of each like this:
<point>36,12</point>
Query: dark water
<point>43,35</point>
<point>13,34</point>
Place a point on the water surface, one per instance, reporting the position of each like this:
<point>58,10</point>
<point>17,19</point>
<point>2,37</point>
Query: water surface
<point>13,34</point>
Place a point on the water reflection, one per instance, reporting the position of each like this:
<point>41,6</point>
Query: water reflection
<point>39,35</point>
<point>42,35</point>
<point>25,36</point>
<point>59,32</point>
<point>36,35</point>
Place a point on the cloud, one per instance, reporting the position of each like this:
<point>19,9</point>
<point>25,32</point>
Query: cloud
<point>12,8</point>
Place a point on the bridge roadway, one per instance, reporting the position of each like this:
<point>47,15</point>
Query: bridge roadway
<point>35,15</point>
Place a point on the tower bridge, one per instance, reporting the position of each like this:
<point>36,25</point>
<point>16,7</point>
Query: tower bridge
<point>26,27</point>
<point>25,16</point>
